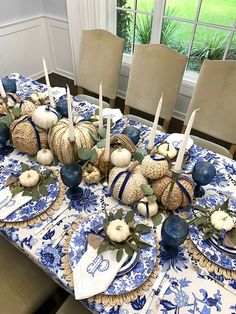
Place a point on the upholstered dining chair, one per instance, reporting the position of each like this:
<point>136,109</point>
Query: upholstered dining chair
<point>215,95</point>
<point>24,287</point>
<point>99,61</point>
<point>71,306</point>
<point>155,69</point>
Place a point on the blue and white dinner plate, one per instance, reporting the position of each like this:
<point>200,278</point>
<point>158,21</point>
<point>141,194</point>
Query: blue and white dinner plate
<point>212,252</point>
<point>32,208</point>
<point>224,249</point>
<point>121,284</point>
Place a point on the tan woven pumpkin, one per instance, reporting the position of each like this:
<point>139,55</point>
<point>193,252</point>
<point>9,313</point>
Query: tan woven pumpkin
<point>58,140</point>
<point>26,137</point>
<point>181,195</point>
<point>127,192</point>
<point>154,167</point>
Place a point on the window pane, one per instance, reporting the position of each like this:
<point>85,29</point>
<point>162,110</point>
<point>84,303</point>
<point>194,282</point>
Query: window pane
<point>181,8</point>
<point>222,12</point>
<point>128,4</point>
<point>124,28</point>
<point>145,5</point>
<point>209,43</point>
<point>176,35</point>
<point>143,28</point>
<point>231,55</point>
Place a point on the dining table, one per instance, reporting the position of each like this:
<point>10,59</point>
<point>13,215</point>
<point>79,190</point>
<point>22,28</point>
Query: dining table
<point>202,276</point>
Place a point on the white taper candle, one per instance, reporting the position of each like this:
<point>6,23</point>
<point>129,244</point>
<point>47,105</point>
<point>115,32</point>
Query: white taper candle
<point>100,125</point>
<point>108,137</point>
<point>180,157</point>
<point>2,90</point>
<point>155,124</point>
<point>70,116</point>
<point>50,95</point>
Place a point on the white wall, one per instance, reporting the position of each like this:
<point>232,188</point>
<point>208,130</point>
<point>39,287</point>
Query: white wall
<point>56,8</point>
<point>18,10</point>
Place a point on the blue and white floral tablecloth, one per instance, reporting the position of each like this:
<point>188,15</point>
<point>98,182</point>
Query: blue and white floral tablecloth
<point>189,292</point>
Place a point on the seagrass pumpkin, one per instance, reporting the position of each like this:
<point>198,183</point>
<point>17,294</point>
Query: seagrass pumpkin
<point>58,140</point>
<point>154,166</point>
<point>125,183</point>
<point>26,137</point>
<point>181,195</point>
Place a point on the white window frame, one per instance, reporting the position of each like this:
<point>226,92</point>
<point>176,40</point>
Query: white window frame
<point>190,78</point>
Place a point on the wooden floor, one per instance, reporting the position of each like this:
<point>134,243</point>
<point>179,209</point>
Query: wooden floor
<point>175,124</point>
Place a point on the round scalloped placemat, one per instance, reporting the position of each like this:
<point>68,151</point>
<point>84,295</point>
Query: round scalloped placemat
<point>48,212</point>
<point>206,263</point>
<point>112,300</point>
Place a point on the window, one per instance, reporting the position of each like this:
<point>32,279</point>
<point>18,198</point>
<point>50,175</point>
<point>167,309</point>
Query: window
<point>200,29</point>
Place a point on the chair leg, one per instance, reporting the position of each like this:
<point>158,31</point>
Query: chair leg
<point>183,129</point>
<point>112,103</point>
<point>126,110</point>
<point>232,149</point>
<point>166,125</point>
<point>80,90</point>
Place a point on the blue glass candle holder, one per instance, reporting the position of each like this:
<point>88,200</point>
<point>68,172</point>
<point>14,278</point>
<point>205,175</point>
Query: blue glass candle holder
<point>4,134</point>
<point>62,107</point>
<point>203,173</point>
<point>133,133</point>
<point>71,176</point>
<point>9,85</point>
<point>174,231</point>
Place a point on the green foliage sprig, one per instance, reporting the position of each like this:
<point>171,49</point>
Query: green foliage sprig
<point>37,191</point>
<point>133,243</point>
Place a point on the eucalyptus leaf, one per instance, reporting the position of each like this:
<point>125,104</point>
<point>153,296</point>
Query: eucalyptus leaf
<point>16,190</point>
<point>94,156</point>
<point>7,119</point>
<point>225,205</point>
<point>128,249</point>
<point>119,214</point>
<point>133,246</point>
<point>137,156</point>
<point>141,228</point>
<point>43,190</point>
<point>199,221</point>
<point>16,112</point>
<point>151,198</point>
<point>35,194</point>
<point>94,136</point>
<point>101,144</point>
<point>157,219</point>
<point>104,246</point>
<point>129,216</point>
<point>24,167</point>
<point>147,190</point>
<point>32,158</point>
<point>208,234</point>
<point>10,180</point>
<point>49,180</point>
<point>119,255</point>
<point>102,132</point>
<point>84,153</point>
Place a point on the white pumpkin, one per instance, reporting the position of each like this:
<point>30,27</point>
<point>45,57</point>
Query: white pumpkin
<point>45,157</point>
<point>45,117</point>
<point>121,157</point>
<point>220,220</point>
<point>118,230</point>
<point>29,178</point>
<point>147,209</point>
<point>167,150</point>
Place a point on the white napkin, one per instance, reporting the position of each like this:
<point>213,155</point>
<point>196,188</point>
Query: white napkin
<point>9,204</point>
<point>115,114</point>
<point>94,273</point>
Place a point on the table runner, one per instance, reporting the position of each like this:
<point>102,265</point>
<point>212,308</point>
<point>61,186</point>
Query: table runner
<point>189,292</point>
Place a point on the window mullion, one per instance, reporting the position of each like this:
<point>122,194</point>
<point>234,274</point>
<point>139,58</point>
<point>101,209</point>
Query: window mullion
<point>194,27</point>
<point>159,8</point>
<point>229,41</point>
<point>134,25</point>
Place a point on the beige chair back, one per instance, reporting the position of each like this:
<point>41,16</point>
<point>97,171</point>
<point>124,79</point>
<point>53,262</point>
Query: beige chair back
<point>155,69</point>
<point>99,61</point>
<point>215,95</point>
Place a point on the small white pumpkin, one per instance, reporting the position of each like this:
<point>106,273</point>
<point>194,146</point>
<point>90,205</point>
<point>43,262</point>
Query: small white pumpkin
<point>45,157</point>
<point>29,178</point>
<point>121,157</point>
<point>146,208</point>
<point>45,117</point>
<point>118,230</point>
<point>167,150</point>
<point>220,220</point>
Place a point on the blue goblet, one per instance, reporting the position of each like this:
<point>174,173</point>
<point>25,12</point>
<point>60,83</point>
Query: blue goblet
<point>62,107</point>
<point>174,231</point>
<point>9,85</point>
<point>133,133</point>
<point>203,173</point>
<point>4,134</point>
<point>71,176</point>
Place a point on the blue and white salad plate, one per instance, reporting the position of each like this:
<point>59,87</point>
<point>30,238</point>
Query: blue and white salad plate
<point>32,208</point>
<point>212,252</point>
<point>130,280</point>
